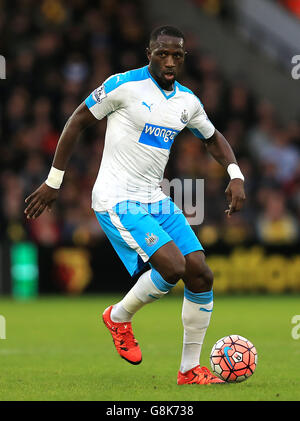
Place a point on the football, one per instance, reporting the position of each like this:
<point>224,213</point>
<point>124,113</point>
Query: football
<point>233,358</point>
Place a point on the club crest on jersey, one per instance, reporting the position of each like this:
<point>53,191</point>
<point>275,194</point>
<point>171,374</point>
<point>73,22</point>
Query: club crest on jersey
<point>184,117</point>
<point>158,136</point>
<point>99,94</point>
<point>151,239</point>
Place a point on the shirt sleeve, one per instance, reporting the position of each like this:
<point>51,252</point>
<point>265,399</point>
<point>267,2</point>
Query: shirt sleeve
<point>103,101</point>
<point>199,124</point>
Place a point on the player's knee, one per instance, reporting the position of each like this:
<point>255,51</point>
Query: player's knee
<point>207,278</point>
<point>198,277</point>
<point>201,281</point>
<point>175,270</point>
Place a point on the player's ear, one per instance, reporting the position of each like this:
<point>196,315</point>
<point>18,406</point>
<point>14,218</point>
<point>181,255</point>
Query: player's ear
<point>148,52</point>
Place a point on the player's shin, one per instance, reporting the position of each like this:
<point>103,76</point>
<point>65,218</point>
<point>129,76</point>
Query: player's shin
<point>196,314</point>
<point>149,288</point>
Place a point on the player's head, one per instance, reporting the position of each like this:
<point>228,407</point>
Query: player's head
<point>166,54</point>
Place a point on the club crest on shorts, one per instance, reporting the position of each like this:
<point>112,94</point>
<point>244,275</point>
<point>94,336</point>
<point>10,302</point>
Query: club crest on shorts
<point>184,117</point>
<point>151,239</point>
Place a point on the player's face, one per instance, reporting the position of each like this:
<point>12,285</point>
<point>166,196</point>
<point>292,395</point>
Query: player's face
<point>166,58</point>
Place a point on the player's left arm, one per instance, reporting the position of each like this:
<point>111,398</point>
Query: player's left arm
<point>222,152</point>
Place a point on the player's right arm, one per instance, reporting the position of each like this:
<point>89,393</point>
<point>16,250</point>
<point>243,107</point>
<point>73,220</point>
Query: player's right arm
<point>104,100</point>
<point>45,195</point>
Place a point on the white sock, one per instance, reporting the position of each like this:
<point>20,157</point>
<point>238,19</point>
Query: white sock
<point>143,292</point>
<point>195,323</point>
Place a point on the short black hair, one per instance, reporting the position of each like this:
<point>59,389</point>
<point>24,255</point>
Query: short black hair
<point>172,31</point>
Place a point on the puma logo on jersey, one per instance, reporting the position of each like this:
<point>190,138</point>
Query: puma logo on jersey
<point>146,105</point>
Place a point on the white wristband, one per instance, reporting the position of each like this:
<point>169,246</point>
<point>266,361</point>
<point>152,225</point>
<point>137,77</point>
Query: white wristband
<point>235,172</point>
<point>55,178</point>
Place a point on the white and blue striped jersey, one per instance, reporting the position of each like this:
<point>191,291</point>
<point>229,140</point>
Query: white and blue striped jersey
<point>142,124</point>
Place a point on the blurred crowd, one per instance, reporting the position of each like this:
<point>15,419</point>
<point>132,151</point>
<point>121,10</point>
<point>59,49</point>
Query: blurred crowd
<point>223,8</point>
<point>57,52</point>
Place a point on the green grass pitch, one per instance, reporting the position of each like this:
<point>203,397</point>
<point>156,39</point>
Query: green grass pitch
<point>58,349</point>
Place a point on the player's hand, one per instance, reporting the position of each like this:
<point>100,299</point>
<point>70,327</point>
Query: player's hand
<point>235,195</point>
<point>39,200</point>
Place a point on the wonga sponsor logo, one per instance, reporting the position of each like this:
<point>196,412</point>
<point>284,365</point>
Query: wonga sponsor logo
<point>157,136</point>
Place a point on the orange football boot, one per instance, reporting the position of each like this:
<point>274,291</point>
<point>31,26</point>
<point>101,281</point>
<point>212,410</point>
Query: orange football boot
<point>124,340</point>
<point>198,375</point>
